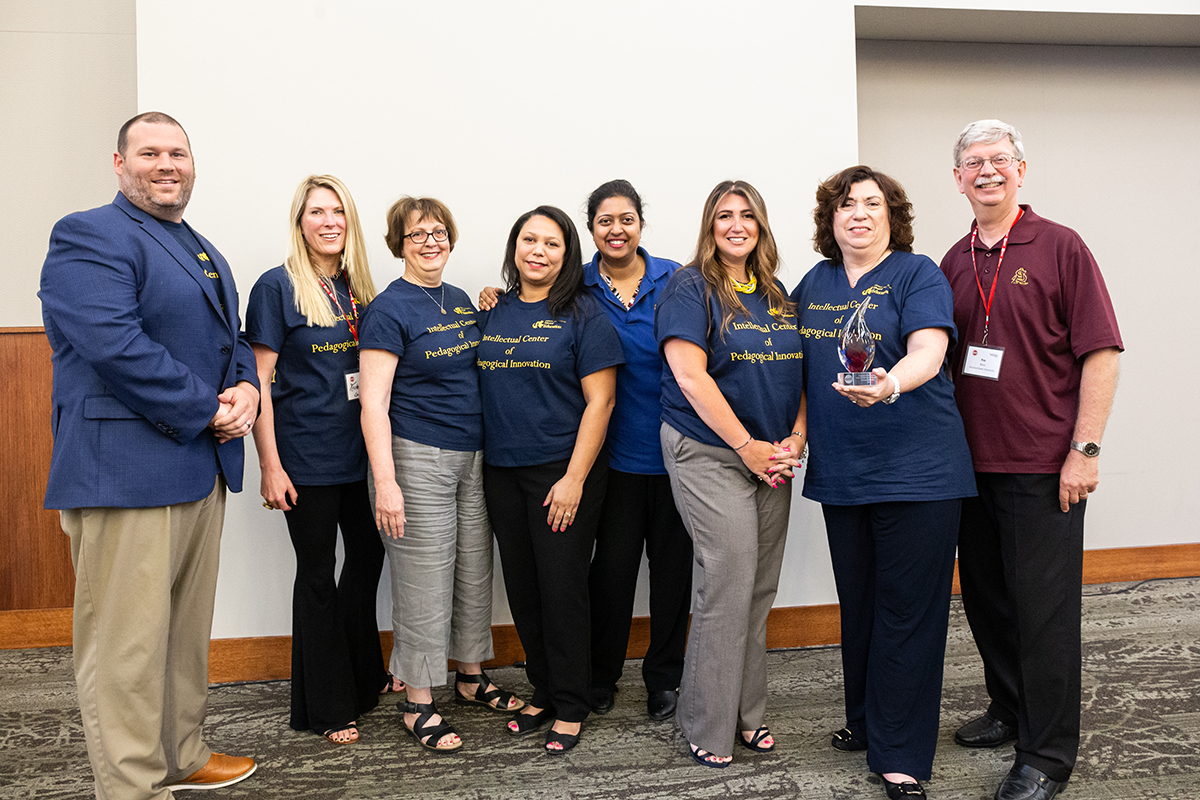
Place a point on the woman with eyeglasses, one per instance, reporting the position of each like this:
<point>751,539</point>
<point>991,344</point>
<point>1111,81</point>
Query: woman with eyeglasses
<point>423,423</point>
<point>889,466</point>
<point>302,321</point>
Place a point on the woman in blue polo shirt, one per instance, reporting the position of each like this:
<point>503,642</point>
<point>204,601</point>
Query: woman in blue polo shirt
<point>638,509</point>
<point>731,435</point>
<point>889,469</point>
<point>548,363</point>
<point>302,322</point>
<point>424,432</point>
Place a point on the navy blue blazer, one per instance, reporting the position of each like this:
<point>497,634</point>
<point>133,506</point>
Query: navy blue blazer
<point>142,347</point>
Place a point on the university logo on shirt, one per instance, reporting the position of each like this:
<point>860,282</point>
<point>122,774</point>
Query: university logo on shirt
<point>1020,277</point>
<point>461,310</point>
<point>552,324</point>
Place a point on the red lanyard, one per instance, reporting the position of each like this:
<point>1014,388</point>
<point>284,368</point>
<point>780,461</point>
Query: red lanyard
<point>987,301</point>
<point>353,306</point>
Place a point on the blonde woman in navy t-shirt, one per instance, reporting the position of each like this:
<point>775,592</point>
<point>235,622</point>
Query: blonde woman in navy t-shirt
<point>548,362</point>
<point>731,435</point>
<point>423,426</point>
<point>302,321</point>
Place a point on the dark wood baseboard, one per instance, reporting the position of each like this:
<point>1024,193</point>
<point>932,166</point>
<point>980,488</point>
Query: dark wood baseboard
<point>269,657</point>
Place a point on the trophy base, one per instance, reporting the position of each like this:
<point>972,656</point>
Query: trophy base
<point>857,378</point>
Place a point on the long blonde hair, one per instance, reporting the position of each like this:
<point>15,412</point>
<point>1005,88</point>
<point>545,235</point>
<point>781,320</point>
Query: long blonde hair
<point>310,298</point>
<point>763,262</point>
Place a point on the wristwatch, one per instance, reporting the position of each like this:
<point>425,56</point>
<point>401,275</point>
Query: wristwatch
<point>1089,449</point>
<point>895,395</point>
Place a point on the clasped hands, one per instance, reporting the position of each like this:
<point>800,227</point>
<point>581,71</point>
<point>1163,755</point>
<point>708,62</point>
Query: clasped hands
<point>773,462</point>
<point>236,413</point>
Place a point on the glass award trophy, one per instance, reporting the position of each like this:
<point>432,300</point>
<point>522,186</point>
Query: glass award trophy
<point>857,349</point>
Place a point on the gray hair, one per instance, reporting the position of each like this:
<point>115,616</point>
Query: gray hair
<point>988,131</point>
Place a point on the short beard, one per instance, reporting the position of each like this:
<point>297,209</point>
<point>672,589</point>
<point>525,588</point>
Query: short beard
<point>135,194</point>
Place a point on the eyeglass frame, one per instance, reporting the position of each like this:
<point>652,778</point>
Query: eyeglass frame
<point>445,234</point>
<point>990,160</point>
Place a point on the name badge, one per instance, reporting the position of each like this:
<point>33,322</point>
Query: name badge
<point>352,385</point>
<point>982,362</point>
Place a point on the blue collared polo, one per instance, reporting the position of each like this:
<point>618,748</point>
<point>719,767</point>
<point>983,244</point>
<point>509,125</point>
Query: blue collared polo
<point>633,429</point>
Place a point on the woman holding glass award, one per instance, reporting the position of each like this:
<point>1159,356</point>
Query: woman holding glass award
<point>890,472</point>
<point>730,437</point>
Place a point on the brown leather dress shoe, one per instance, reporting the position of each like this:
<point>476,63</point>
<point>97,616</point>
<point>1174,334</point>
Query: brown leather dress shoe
<point>220,771</point>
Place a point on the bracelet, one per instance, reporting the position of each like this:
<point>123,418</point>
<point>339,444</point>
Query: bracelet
<point>798,433</point>
<point>743,444</point>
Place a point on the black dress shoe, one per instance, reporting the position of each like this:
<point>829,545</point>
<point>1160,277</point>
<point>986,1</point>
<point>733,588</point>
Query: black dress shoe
<point>661,705</point>
<point>899,791</point>
<point>603,699</point>
<point>985,731</point>
<point>848,741</point>
<point>1023,782</point>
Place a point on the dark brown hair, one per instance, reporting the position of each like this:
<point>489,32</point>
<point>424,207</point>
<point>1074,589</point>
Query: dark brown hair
<point>834,190</point>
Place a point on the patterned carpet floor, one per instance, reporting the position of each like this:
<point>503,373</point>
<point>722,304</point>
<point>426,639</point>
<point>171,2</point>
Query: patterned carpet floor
<point>1141,723</point>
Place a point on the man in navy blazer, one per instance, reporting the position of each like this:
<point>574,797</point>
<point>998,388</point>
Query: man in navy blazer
<point>154,388</point>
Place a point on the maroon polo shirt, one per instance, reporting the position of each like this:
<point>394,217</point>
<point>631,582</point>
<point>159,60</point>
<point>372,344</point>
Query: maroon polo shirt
<point>1051,308</point>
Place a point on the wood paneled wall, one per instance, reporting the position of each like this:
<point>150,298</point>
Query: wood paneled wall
<point>35,561</point>
<point>37,580</point>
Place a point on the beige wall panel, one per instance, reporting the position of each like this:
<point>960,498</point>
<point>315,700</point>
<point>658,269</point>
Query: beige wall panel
<point>1110,134</point>
<point>64,96</point>
<point>68,16</point>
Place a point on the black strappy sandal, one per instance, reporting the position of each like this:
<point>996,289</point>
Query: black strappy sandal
<point>755,742</point>
<point>428,735</point>
<point>496,700</point>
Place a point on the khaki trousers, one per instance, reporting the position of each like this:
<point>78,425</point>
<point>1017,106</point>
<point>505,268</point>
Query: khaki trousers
<point>145,579</point>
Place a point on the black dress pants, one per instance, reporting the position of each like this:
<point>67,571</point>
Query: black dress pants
<point>893,564</point>
<point>1020,562</point>
<point>337,663</point>
<point>640,509</point>
<point>546,578</point>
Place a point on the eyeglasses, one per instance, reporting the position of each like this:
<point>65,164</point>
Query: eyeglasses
<point>419,237</point>
<point>999,162</point>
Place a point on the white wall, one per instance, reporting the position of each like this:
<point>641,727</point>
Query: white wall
<point>493,108</point>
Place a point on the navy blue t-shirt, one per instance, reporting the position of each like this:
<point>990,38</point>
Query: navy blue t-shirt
<point>435,393</point>
<point>758,366</point>
<point>317,430</point>
<point>188,241</point>
<point>914,449</point>
<point>531,367</point>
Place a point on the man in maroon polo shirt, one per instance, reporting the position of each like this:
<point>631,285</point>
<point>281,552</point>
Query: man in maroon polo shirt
<point>1035,370</point>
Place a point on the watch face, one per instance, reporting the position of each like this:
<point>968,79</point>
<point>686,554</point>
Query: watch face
<point>1091,449</point>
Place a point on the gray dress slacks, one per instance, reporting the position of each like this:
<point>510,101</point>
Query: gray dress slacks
<point>738,526</point>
